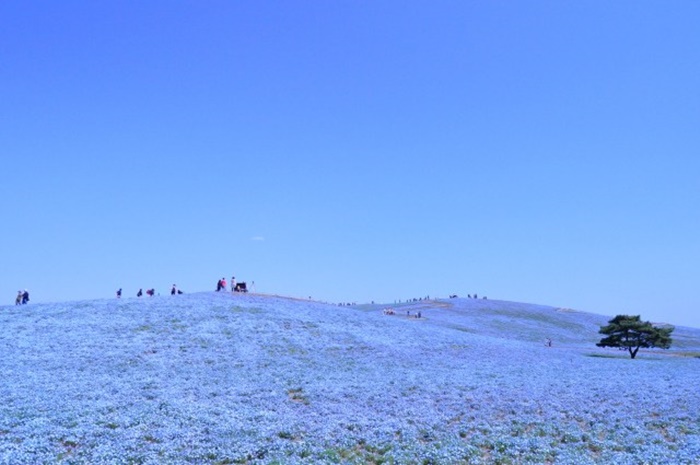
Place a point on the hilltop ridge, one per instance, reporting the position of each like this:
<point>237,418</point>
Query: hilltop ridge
<point>488,317</point>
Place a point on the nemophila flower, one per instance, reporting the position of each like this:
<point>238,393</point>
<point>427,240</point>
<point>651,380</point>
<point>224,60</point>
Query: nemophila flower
<point>251,379</point>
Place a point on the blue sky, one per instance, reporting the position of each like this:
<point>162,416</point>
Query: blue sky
<point>540,151</point>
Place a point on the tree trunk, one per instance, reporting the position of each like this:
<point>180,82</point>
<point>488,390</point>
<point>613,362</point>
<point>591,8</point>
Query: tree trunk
<point>633,353</point>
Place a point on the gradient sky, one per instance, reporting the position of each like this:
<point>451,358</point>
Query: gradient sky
<point>536,151</point>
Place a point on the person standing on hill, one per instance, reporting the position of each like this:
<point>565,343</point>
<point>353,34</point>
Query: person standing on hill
<point>119,293</point>
<point>18,300</point>
<point>139,293</point>
<point>223,284</point>
<point>25,297</point>
<point>233,283</point>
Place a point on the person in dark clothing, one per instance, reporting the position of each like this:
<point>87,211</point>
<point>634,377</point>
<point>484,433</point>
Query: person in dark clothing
<point>139,293</point>
<point>173,291</point>
<point>119,293</point>
<point>25,297</point>
<point>218,286</point>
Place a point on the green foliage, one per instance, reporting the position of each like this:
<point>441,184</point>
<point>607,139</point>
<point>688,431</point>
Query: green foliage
<point>630,333</point>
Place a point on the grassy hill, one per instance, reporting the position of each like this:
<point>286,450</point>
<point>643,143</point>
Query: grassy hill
<point>222,379</point>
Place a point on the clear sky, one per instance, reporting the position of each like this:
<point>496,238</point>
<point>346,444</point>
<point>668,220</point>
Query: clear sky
<point>535,151</point>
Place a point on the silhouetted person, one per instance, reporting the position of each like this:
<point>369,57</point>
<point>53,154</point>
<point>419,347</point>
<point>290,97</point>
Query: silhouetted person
<point>139,293</point>
<point>25,297</point>
<point>119,293</point>
<point>173,291</point>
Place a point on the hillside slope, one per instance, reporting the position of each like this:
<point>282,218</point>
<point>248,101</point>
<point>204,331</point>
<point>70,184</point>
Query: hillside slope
<point>220,378</point>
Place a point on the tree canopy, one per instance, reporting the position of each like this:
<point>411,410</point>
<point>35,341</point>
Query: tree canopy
<point>627,332</point>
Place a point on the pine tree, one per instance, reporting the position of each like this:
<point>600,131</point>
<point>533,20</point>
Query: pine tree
<point>630,333</point>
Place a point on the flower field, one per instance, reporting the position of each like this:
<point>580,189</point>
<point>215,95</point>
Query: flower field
<point>215,378</point>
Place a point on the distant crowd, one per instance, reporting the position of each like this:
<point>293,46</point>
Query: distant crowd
<point>23,296</point>
<point>469,296</point>
<point>414,299</point>
<point>221,285</point>
<point>452,296</point>
<point>391,311</point>
<point>149,292</point>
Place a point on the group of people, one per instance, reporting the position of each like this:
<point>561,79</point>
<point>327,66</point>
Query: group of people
<point>221,285</point>
<point>469,296</point>
<point>415,299</point>
<point>22,297</point>
<point>391,311</point>
<point>149,292</point>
